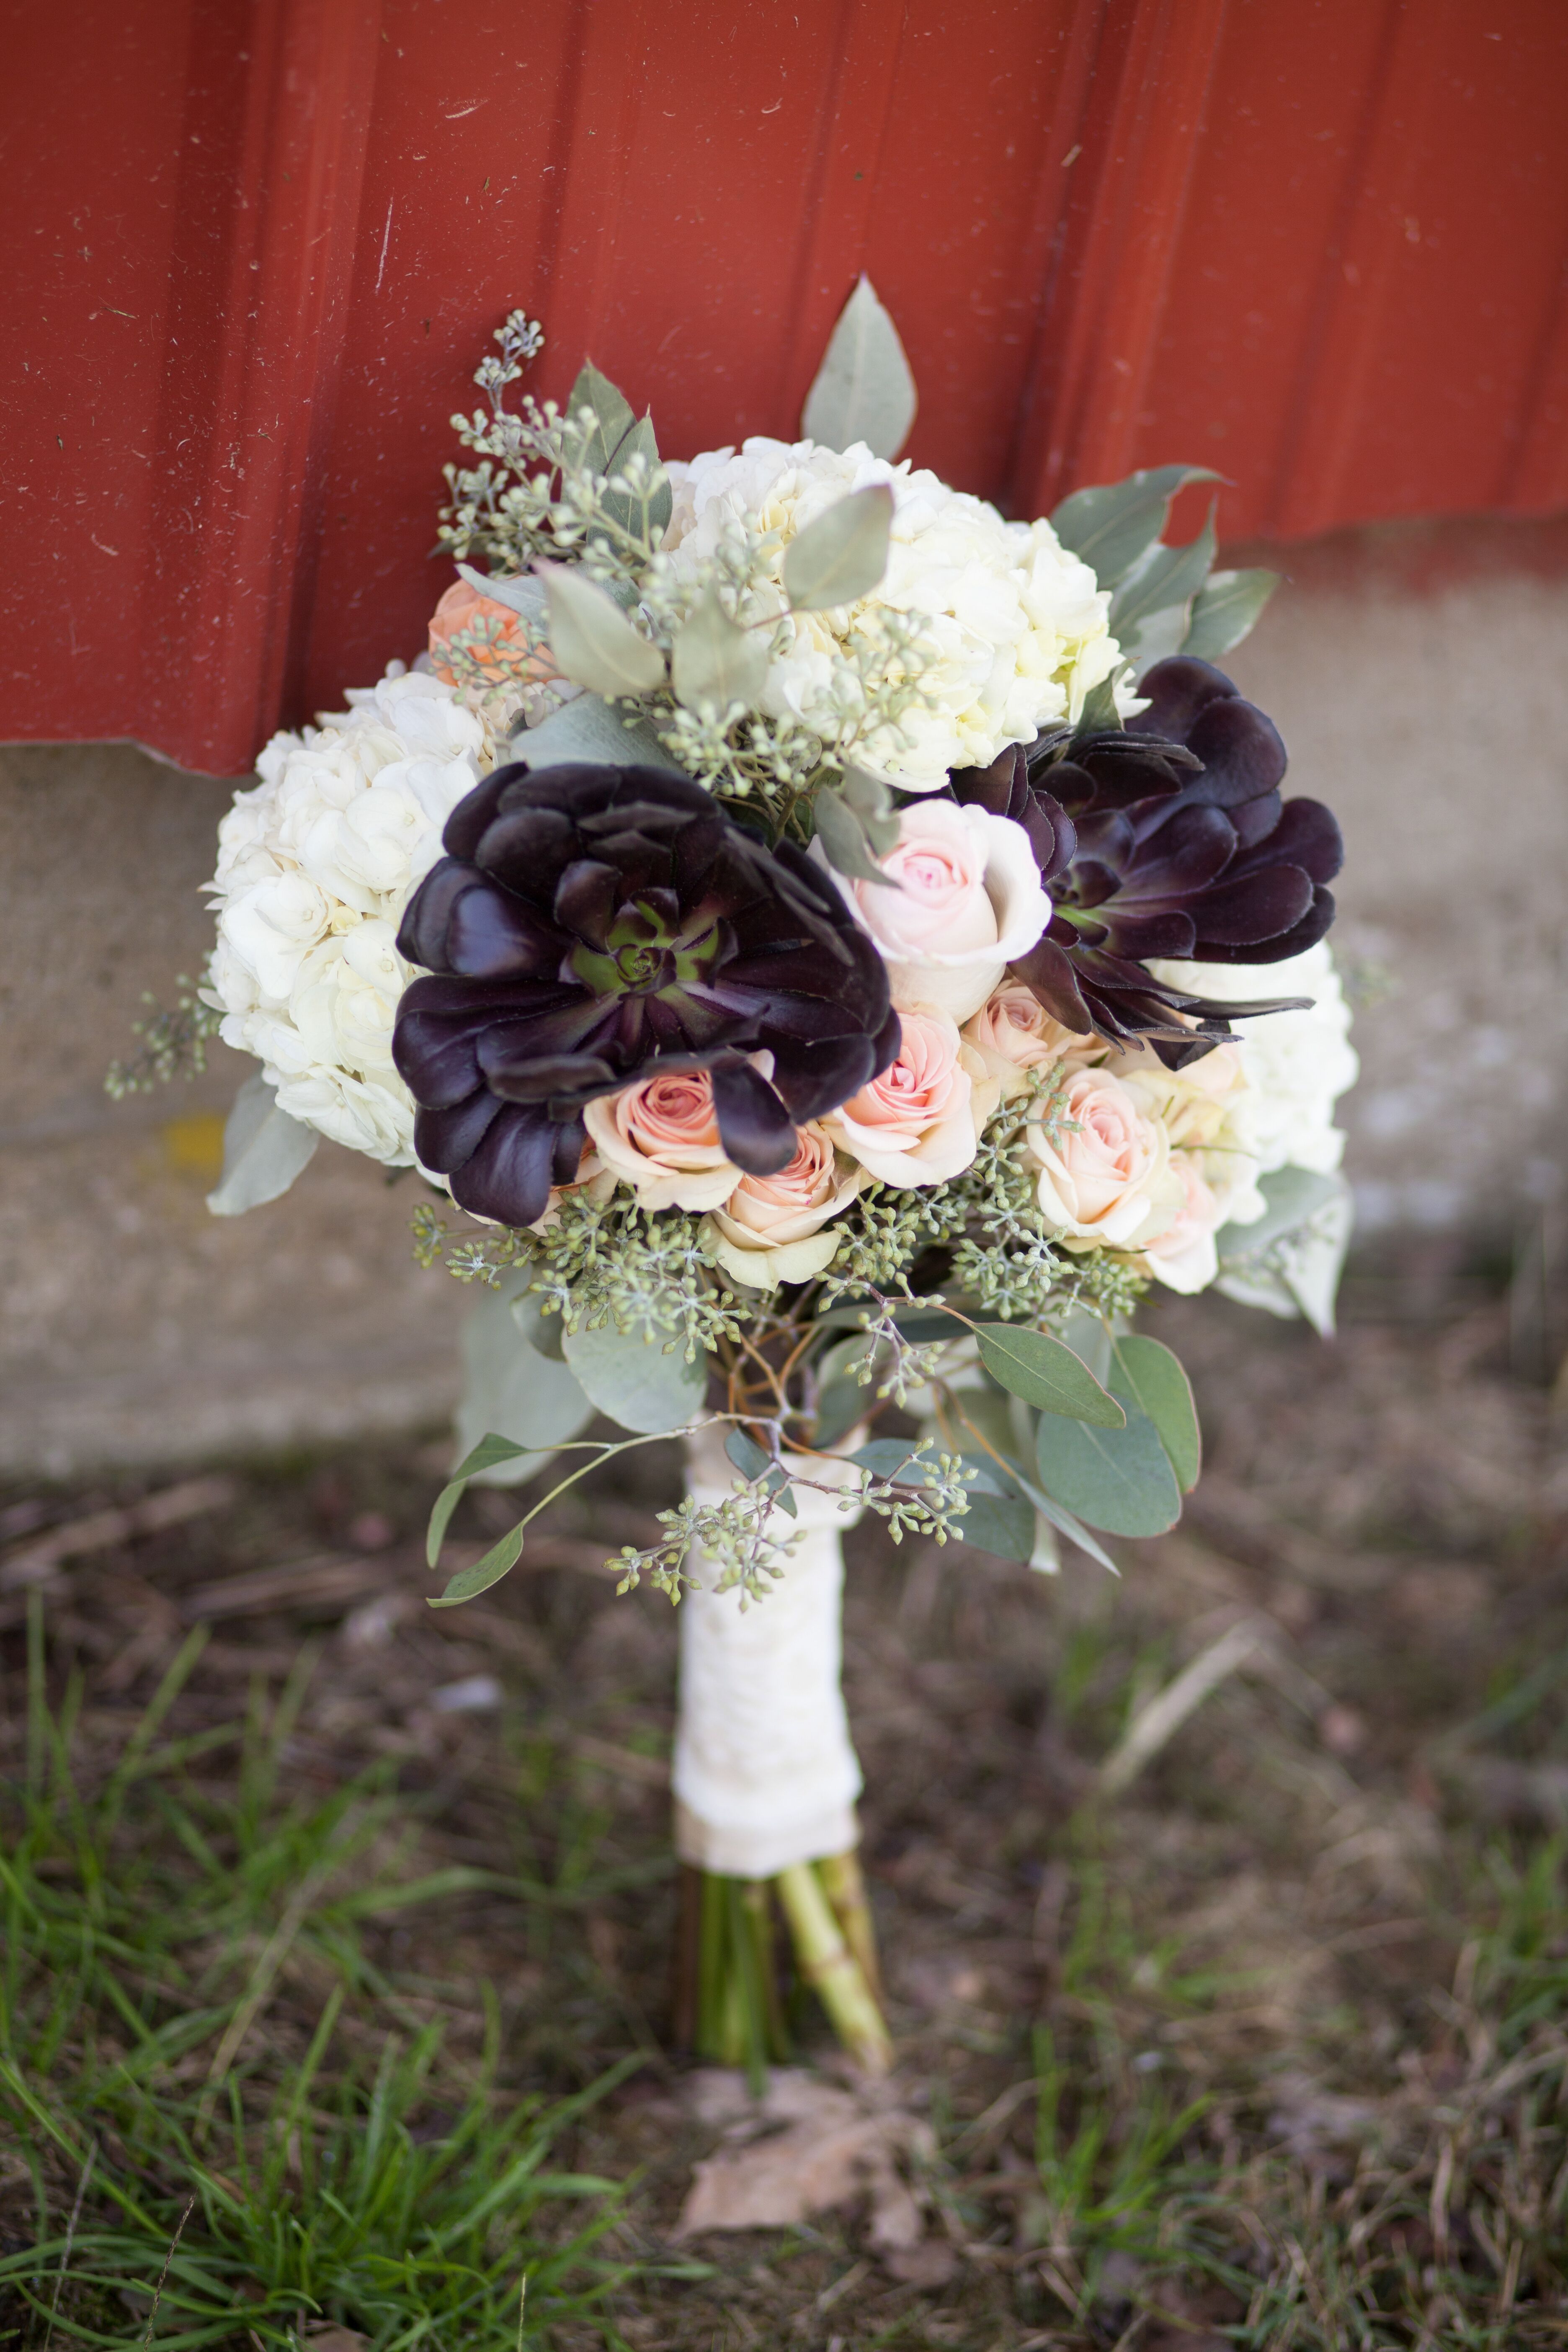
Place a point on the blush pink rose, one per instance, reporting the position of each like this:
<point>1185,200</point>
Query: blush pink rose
<point>661,1137</point>
<point>770,1228</point>
<point>969,902</point>
<point>1014,1035</point>
<point>1103,1165</point>
<point>498,654</point>
<point>920,1121</point>
<point>1184,1256</point>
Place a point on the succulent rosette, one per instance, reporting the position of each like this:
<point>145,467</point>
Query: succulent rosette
<point>1169,839</point>
<point>591,926</point>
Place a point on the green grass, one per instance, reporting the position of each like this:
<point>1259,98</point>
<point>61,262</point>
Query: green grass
<point>200,2169</point>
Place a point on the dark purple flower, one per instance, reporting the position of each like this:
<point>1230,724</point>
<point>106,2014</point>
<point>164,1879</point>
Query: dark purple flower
<point>1168,838</point>
<point>591,926</point>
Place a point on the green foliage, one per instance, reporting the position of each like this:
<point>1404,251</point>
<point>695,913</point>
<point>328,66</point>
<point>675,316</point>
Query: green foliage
<point>864,390</point>
<point>1145,1371</point>
<point>841,556</point>
<point>1047,1375</point>
<point>1119,1480</point>
<point>174,1044</point>
<point>1164,600</point>
<point>639,1384</point>
<point>184,2168</point>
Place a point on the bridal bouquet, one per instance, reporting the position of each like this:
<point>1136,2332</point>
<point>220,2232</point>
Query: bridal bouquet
<point>806,931</point>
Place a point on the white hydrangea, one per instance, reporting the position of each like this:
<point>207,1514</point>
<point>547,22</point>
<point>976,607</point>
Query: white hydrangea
<point>1298,1064</point>
<point>315,865</point>
<point>1018,626</point>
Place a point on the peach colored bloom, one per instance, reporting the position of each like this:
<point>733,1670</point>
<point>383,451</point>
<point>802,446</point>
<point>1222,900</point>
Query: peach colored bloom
<point>920,1121</point>
<point>1014,1034</point>
<point>1103,1165</point>
<point>497,649</point>
<point>661,1137</point>
<point>768,1229</point>
<point>969,901</point>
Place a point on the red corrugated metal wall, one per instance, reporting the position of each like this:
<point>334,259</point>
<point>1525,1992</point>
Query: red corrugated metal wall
<point>257,246</point>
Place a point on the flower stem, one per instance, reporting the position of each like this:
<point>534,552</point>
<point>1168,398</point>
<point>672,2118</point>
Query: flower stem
<point>830,1965</point>
<point>844,1885</point>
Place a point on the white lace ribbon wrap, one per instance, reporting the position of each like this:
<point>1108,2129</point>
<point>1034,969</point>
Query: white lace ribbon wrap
<point>764,1773</point>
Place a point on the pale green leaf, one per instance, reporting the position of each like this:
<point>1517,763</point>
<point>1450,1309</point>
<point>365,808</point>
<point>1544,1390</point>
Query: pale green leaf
<point>841,556</point>
<point>613,415</point>
<point>515,1399</point>
<point>1291,1196</point>
<point>1297,1272</point>
<point>263,1151</point>
<point>1145,1371</point>
<point>864,390</point>
<point>1100,715</point>
<point>871,800</point>
<point>589,728</point>
<point>1227,609</point>
<point>714,662</point>
<point>1000,1524</point>
<point>624,508</point>
<point>1164,578</point>
<point>629,1377</point>
<point>523,593</point>
<point>1120,1480</point>
<point>844,844</point>
<point>1113,524</point>
<point>593,643</point>
<point>499,1561</point>
<point>746,1454</point>
<point>1044,1373</point>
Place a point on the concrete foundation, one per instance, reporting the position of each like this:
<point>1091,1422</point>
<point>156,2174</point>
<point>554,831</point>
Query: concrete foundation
<point>1430,712</point>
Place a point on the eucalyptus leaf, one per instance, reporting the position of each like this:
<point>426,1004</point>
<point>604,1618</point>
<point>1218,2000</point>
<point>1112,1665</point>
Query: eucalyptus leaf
<point>841,556</point>
<point>1120,1480</point>
<point>844,844</point>
<point>613,415</point>
<point>1003,1524</point>
<point>1100,715</point>
<point>512,1394</point>
<point>886,1456</point>
<point>522,594</point>
<point>263,1151</point>
<point>715,662</point>
<point>1297,1272</point>
<point>629,1377</point>
<point>864,389</point>
<point>1291,1196</point>
<point>1113,524</point>
<point>871,799</point>
<point>1046,1374</point>
<point>621,506</point>
<point>1228,607</point>
<point>1144,1372</point>
<point>1162,578</point>
<point>499,1561</point>
<point>746,1454</point>
<point>839,1405</point>
<point>593,643</point>
<point>589,728</point>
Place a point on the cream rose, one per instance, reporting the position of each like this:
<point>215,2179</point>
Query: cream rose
<point>920,1121</point>
<point>969,900</point>
<point>768,1229</point>
<point>661,1137</point>
<point>1103,1175</point>
<point>1184,1256</point>
<point>1014,1036</point>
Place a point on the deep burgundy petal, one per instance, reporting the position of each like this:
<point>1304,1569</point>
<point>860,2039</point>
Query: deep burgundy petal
<point>422,934</point>
<point>1255,908</point>
<point>814,1077</point>
<point>546,1077</point>
<point>491,934</point>
<point>1167,933</point>
<point>508,1176</point>
<point>755,1127</point>
<point>567,1156</point>
<point>1047,970</point>
<point>586,898</point>
<point>1306,836</point>
<point>1312,927</point>
<point>1178,690</point>
<point>527,849</point>
<point>444,1139</point>
<point>1187,854</point>
<point>1242,755</point>
<point>474,812</point>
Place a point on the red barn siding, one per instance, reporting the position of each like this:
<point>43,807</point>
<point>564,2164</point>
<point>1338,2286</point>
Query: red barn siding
<point>257,247</point>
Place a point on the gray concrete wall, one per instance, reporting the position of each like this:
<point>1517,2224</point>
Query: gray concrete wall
<point>1433,718</point>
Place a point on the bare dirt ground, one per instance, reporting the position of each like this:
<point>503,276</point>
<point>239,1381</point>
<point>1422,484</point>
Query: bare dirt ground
<point>1259,2039</point>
